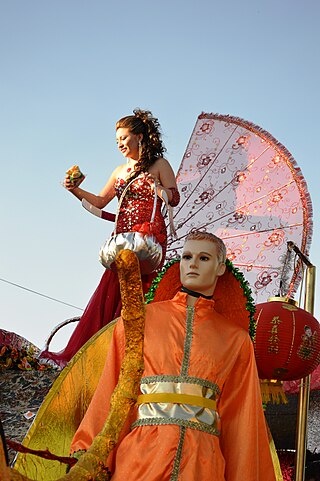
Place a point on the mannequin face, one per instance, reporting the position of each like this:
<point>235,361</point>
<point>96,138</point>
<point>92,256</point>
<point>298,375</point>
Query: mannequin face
<point>200,266</point>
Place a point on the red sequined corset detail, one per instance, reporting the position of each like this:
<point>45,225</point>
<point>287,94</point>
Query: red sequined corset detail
<point>136,210</point>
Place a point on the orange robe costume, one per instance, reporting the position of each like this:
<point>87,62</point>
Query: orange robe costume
<point>195,351</point>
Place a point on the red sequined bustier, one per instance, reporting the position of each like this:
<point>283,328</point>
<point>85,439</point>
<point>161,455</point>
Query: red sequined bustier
<point>136,210</point>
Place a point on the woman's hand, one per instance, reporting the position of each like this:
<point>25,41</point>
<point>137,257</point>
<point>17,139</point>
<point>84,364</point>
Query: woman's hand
<point>74,177</point>
<point>72,184</point>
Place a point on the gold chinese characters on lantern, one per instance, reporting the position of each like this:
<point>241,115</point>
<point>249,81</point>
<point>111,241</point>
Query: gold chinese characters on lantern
<point>287,342</point>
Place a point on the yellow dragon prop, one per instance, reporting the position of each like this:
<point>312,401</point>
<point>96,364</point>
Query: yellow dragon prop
<point>91,465</point>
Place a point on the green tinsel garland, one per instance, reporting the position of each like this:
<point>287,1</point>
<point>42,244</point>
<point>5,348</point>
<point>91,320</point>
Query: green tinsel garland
<point>250,307</point>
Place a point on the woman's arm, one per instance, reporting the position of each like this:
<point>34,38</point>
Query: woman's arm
<point>163,174</point>
<point>100,200</point>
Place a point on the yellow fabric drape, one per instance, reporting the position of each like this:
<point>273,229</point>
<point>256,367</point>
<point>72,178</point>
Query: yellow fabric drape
<point>177,399</point>
<point>64,407</point>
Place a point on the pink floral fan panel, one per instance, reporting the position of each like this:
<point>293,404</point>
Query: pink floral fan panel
<point>238,182</point>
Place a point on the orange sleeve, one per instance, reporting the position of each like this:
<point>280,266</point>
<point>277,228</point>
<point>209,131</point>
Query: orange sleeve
<point>244,440</point>
<point>98,409</point>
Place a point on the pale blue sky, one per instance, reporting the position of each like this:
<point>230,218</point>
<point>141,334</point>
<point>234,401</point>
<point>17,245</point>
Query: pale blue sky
<point>70,68</point>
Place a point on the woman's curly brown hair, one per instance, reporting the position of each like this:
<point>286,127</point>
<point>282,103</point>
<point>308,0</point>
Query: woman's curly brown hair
<point>152,148</point>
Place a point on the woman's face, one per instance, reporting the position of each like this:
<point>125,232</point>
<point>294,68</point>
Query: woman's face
<point>128,143</point>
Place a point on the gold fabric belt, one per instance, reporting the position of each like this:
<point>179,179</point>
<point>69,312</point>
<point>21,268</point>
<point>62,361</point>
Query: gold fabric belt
<point>176,398</point>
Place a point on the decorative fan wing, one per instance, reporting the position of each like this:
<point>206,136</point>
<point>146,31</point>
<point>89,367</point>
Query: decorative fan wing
<point>239,182</point>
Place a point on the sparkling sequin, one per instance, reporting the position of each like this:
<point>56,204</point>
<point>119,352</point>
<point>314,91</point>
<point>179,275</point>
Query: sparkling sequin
<point>136,209</point>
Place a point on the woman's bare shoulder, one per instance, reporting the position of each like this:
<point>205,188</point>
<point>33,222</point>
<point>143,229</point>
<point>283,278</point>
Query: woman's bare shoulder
<point>109,186</point>
<point>162,161</point>
<point>119,171</point>
<point>120,168</point>
<point>160,164</point>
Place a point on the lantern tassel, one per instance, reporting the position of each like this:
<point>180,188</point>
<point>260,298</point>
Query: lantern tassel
<point>272,392</point>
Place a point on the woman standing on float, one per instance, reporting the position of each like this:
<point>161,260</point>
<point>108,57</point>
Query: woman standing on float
<point>139,140</point>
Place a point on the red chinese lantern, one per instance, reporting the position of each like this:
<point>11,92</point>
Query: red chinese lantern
<point>287,342</point>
